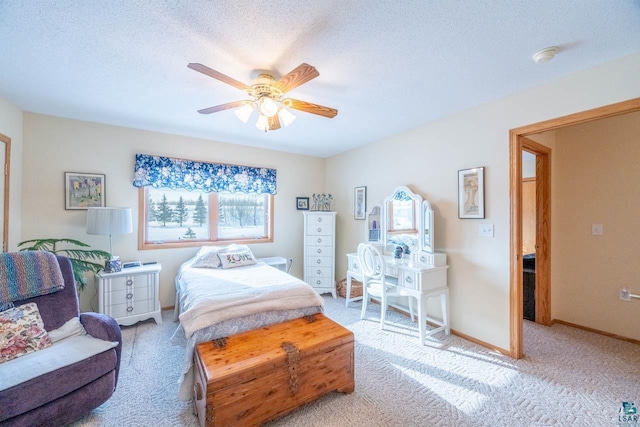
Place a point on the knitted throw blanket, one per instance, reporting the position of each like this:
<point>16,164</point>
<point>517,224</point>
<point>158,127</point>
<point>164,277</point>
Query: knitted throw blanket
<point>28,274</point>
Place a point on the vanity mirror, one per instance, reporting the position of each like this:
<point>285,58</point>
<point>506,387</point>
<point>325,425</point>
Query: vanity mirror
<point>402,220</point>
<point>427,227</point>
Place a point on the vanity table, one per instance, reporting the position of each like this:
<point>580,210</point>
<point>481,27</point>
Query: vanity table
<point>407,220</point>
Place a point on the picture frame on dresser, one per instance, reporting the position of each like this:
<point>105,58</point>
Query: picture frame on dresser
<point>302,203</point>
<point>471,193</point>
<point>84,190</point>
<point>360,202</point>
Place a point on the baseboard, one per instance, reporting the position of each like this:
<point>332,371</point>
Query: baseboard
<point>481,343</point>
<point>596,331</point>
<point>171,307</point>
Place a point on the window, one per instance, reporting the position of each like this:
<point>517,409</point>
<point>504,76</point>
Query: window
<point>181,218</point>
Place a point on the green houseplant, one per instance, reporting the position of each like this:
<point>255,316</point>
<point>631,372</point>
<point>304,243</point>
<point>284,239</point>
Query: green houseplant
<point>82,260</point>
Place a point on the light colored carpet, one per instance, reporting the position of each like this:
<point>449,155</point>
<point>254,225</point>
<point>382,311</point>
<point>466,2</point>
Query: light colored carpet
<point>569,377</point>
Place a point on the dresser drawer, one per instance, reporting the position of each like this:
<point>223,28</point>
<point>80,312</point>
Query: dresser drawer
<point>319,229</point>
<point>353,264</point>
<point>409,280</point>
<point>318,251</point>
<point>313,272</point>
<point>125,282</point>
<point>319,261</point>
<point>320,240</point>
<point>133,294</point>
<point>320,282</point>
<point>130,309</point>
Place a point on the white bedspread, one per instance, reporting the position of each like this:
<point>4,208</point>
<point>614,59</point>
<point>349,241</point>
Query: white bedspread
<point>213,295</point>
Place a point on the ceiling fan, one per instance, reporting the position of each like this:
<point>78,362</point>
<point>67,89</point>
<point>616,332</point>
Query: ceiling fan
<point>267,97</point>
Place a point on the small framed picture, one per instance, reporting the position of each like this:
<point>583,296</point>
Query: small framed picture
<point>360,202</point>
<point>302,203</point>
<point>471,193</point>
<point>84,190</point>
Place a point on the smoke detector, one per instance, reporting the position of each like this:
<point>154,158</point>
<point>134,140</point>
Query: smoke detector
<point>546,54</point>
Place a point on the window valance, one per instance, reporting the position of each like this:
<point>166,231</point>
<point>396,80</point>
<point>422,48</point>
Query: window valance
<point>167,172</point>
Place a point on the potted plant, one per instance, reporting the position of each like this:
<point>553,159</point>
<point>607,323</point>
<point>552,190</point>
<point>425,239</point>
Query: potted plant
<point>82,260</point>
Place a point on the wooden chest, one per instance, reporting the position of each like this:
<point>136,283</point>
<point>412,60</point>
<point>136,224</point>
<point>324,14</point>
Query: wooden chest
<point>253,377</point>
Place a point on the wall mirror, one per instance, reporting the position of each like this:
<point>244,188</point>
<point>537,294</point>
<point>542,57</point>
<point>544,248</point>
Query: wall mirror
<point>402,220</point>
<point>427,227</point>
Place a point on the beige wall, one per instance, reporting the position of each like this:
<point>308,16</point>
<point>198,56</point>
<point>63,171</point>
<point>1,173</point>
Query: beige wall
<point>596,182</point>
<point>11,126</point>
<point>428,158</point>
<point>54,145</point>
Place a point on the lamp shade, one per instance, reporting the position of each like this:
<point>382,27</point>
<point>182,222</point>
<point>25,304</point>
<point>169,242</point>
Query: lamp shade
<point>108,221</point>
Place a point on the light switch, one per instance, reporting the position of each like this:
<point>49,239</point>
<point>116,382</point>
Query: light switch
<point>597,230</point>
<point>486,230</point>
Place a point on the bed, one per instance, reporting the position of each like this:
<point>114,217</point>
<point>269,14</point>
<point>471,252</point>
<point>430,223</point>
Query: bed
<point>217,300</point>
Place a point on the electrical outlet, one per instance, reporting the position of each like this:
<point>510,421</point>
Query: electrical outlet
<point>625,294</point>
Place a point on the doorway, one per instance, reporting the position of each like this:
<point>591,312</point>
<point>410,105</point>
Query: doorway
<point>518,142</point>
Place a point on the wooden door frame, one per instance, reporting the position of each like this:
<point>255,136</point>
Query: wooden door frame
<point>5,203</point>
<point>518,142</point>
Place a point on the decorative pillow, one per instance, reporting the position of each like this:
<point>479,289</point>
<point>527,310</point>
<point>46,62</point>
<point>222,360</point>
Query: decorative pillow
<point>21,332</point>
<point>207,257</point>
<point>71,328</point>
<point>236,259</point>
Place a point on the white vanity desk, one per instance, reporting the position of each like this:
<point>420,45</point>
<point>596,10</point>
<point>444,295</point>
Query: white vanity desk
<point>418,280</point>
<point>405,219</point>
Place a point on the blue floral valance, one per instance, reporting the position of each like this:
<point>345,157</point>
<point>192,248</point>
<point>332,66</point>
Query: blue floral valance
<point>167,172</point>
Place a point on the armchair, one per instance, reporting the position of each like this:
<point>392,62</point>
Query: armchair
<point>67,393</point>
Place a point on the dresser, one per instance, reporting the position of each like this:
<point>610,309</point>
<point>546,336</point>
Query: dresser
<point>320,251</point>
<point>130,295</point>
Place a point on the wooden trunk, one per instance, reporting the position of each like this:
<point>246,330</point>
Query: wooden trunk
<point>253,377</point>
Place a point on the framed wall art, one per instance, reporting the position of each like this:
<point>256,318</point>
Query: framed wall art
<point>84,190</point>
<point>360,203</point>
<point>471,193</point>
<point>302,203</point>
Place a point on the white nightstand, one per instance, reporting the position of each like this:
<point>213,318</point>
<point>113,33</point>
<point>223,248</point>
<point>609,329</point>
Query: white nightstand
<point>130,295</point>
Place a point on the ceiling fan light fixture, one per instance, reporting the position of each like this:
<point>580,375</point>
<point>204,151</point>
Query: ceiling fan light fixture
<point>286,116</point>
<point>245,112</point>
<point>262,123</point>
<point>268,106</point>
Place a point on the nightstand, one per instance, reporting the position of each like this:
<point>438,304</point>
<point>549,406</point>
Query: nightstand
<point>130,295</point>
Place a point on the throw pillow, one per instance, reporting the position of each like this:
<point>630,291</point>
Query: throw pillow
<point>71,328</point>
<point>207,257</point>
<point>21,332</point>
<point>236,259</point>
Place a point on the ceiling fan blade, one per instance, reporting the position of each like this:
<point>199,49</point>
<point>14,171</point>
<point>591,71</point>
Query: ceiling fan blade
<point>308,107</point>
<point>274,123</point>
<point>222,107</point>
<point>217,75</point>
<point>299,75</point>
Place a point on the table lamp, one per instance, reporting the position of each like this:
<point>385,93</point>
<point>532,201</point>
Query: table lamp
<point>109,221</point>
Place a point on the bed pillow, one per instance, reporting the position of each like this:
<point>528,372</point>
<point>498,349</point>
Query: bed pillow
<point>236,259</point>
<point>207,257</point>
<point>21,332</point>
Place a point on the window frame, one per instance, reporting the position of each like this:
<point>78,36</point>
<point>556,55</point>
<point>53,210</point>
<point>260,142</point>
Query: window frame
<point>143,244</point>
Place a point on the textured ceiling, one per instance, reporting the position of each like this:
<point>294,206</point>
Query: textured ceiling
<point>386,65</point>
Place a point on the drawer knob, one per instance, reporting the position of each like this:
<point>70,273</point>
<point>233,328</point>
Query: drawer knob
<point>318,282</point>
<point>130,309</point>
<point>320,219</point>
<point>319,261</point>
<point>319,229</point>
<point>355,265</point>
<point>319,239</point>
<point>129,282</point>
<point>319,250</point>
<point>408,280</point>
<point>318,271</point>
<point>129,295</point>
<point>423,259</point>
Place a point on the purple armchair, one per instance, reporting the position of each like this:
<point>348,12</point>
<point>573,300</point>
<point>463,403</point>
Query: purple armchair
<point>61,396</point>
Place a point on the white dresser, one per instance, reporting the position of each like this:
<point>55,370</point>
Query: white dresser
<point>320,251</point>
<point>130,295</point>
